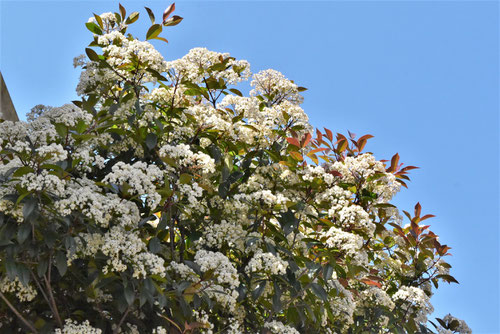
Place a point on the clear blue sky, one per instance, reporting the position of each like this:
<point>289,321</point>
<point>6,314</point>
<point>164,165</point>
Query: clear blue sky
<point>420,76</point>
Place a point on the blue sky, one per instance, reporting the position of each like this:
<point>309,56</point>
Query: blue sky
<point>420,76</point>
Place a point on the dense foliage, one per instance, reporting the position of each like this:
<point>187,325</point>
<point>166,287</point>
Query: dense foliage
<point>165,201</point>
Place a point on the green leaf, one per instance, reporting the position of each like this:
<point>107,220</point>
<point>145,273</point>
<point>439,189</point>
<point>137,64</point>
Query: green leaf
<point>151,140</point>
<point>99,21</point>
<point>154,245</point>
<point>257,292</point>
<point>92,54</point>
<point>23,232</point>
<point>151,15</point>
<point>235,91</point>
<point>153,31</point>
<point>277,299</point>
<point>29,207</point>
<point>448,278</point>
<point>129,294</point>
<point>132,18</point>
<point>93,28</point>
<point>185,178</point>
<point>61,263</point>
<point>319,291</point>
<point>327,272</point>
<point>22,171</point>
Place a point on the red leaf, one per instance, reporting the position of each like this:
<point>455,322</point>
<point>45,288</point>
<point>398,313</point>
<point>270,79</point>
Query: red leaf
<point>293,141</point>
<point>329,134</point>
<point>426,217</point>
<point>319,135</point>
<point>352,135</point>
<point>305,140</point>
<point>370,282</point>
<point>418,209</point>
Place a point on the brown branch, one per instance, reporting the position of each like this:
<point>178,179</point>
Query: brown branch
<point>117,329</point>
<point>51,296</point>
<point>16,312</point>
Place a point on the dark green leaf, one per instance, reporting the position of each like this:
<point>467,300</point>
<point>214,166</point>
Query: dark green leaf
<point>29,207</point>
<point>319,291</point>
<point>151,15</point>
<point>327,272</point>
<point>92,54</point>
<point>259,289</point>
<point>151,140</point>
<point>154,245</point>
<point>23,232</point>
<point>129,294</point>
<point>61,263</point>
<point>235,91</point>
<point>93,28</point>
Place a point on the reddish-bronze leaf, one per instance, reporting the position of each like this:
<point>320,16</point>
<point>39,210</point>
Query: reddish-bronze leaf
<point>296,155</point>
<point>418,209</point>
<point>319,135</point>
<point>329,134</point>
<point>305,140</point>
<point>168,11</point>
<point>370,282</point>
<point>426,217</point>
<point>293,141</point>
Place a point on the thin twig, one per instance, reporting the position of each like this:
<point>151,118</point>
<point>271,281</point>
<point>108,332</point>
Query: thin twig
<point>51,295</point>
<point>117,329</point>
<point>16,312</point>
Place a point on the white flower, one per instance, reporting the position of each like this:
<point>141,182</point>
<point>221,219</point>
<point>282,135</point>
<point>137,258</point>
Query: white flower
<point>277,327</point>
<point>72,327</point>
<point>267,262</point>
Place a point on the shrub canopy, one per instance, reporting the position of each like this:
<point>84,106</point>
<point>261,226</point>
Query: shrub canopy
<point>166,201</point>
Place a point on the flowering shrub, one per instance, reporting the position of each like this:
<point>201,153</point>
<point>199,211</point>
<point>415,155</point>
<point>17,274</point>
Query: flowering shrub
<point>166,201</point>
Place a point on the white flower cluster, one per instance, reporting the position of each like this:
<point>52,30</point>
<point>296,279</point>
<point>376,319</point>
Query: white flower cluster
<point>415,300</point>
<point>224,270</point>
<point>22,292</point>
<point>345,304</point>
<point>266,197</point>
<point>131,51</point>
<point>363,167</point>
<point>86,198</point>
<point>183,271</point>
<point>218,235</point>
<point>462,328</point>
<point>193,66</point>
<point>122,247</point>
<point>140,177</point>
<point>187,158</point>
<point>355,216</point>
<point>165,96</point>
<point>72,327</point>
<point>267,262</point>
<point>68,114</point>
<point>273,83</point>
<point>377,296</point>
<point>43,182</point>
<point>277,327</point>
<point>349,243</point>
